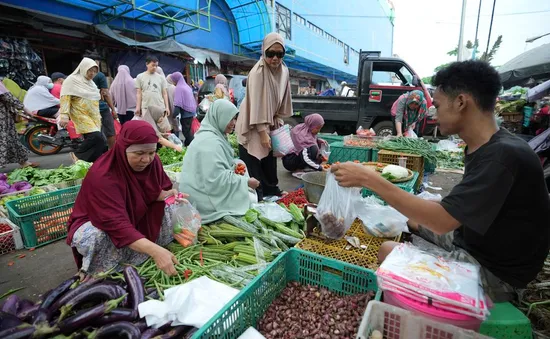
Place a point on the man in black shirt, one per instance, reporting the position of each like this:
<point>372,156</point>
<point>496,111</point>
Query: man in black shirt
<point>498,216</point>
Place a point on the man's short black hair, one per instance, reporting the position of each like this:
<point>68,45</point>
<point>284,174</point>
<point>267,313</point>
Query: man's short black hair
<point>474,77</point>
<point>151,58</point>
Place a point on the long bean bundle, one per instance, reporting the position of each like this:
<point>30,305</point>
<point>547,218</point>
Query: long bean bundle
<point>409,145</point>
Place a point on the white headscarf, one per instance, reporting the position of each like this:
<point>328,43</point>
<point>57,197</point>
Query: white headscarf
<point>38,96</point>
<point>78,85</point>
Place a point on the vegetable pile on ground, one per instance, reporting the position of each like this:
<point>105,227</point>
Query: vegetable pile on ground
<point>169,156</point>
<point>97,308</point>
<point>297,197</point>
<point>42,177</point>
<point>305,311</point>
<point>231,251</point>
<point>412,146</point>
<point>451,160</point>
<point>33,191</point>
<point>232,138</point>
<point>6,188</point>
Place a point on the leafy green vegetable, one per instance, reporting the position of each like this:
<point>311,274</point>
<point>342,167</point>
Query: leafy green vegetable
<point>450,160</point>
<point>234,144</point>
<point>42,177</point>
<point>251,216</point>
<point>388,176</point>
<point>169,156</point>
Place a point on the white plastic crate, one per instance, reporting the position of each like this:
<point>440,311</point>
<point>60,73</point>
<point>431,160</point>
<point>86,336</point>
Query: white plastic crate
<point>10,240</point>
<point>397,323</point>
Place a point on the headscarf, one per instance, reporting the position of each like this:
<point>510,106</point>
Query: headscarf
<point>118,200</point>
<point>183,97</point>
<point>78,85</point>
<point>123,90</point>
<point>268,95</point>
<point>208,173</point>
<point>160,71</point>
<point>38,96</point>
<point>221,83</point>
<point>301,134</point>
<point>171,91</point>
<point>152,114</point>
<point>413,116</point>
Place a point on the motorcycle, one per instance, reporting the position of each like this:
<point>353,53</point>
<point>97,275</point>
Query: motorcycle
<point>541,145</point>
<point>43,137</point>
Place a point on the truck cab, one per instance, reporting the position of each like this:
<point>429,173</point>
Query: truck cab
<point>380,81</point>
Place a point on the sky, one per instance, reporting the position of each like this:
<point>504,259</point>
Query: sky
<point>425,30</point>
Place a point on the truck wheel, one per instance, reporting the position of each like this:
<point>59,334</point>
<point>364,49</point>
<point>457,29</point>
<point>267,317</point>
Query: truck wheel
<point>384,128</point>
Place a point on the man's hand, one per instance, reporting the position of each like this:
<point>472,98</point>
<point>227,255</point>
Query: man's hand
<point>350,174</point>
<point>265,139</point>
<point>165,261</point>
<point>138,112</point>
<point>253,183</point>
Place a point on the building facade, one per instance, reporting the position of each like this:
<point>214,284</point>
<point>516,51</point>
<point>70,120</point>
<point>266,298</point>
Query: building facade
<point>323,37</point>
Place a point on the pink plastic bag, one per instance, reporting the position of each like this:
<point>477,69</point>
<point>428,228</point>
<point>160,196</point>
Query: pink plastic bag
<point>195,125</point>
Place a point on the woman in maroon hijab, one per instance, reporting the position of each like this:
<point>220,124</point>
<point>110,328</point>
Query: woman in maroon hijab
<point>120,216</point>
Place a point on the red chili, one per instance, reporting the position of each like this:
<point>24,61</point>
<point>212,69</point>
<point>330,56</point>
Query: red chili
<point>187,273</point>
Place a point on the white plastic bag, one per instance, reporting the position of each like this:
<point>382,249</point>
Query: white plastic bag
<point>381,221</point>
<point>273,212</point>
<point>281,141</point>
<point>336,209</point>
<point>430,196</point>
<point>411,134</point>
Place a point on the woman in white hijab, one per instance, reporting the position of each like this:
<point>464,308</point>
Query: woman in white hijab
<point>80,103</point>
<point>40,99</point>
<point>267,100</point>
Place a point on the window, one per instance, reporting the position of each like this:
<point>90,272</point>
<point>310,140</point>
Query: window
<point>391,74</point>
<point>283,23</point>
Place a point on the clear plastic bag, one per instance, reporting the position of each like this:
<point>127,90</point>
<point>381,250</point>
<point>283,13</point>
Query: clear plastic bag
<point>273,212</point>
<point>186,222</point>
<point>173,138</point>
<point>336,209</point>
<point>381,221</point>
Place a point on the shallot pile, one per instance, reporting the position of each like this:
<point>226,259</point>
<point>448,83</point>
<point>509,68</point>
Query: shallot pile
<point>305,311</point>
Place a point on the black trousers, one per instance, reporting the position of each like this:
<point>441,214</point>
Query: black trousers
<point>93,146</point>
<point>294,162</point>
<point>126,117</point>
<point>264,170</point>
<point>48,112</point>
<point>185,124</point>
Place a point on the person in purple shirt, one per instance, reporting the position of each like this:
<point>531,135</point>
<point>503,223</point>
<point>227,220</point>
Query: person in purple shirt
<point>185,105</point>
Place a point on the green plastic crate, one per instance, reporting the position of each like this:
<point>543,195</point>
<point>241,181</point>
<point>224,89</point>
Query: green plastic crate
<point>374,155</point>
<point>250,304</point>
<point>506,322</point>
<point>43,218</point>
<point>341,153</point>
<point>331,138</point>
<point>408,186</point>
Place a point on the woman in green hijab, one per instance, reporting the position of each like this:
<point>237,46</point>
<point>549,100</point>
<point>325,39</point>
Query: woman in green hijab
<point>208,171</point>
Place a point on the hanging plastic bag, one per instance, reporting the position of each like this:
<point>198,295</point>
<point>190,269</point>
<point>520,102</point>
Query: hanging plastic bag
<point>411,134</point>
<point>381,221</point>
<point>118,126</point>
<point>336,209</point>
<point>195,125</point>
<point>174,139</point>
<point>281,141</point>
<point>186,221</point>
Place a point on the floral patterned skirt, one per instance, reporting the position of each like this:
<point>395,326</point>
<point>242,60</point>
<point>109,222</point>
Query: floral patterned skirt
<point>100,254</point>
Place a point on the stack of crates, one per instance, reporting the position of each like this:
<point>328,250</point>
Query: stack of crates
<point>341,153</point>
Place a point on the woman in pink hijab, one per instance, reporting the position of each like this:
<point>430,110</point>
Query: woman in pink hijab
<point>123,92</point>
<point>306,144</point>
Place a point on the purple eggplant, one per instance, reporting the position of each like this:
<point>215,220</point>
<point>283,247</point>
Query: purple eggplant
<point>191,332</point>
<point>98,292</point>
<point>41,316</point>
<point>23,304</point>
<point>22,331</point>
<point>175,332</point>
<point>153,295</point>
<point>26,313</point>
<point>141,325</point>
<point>11,304</point>
<point>86,317</point>
<point>151,333</point>
<point>118,314</point>
<point>118,329</point>
<point>74,292</point>
<point>135,287</point>
<point>57,292</point>
<point>8,320</point>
